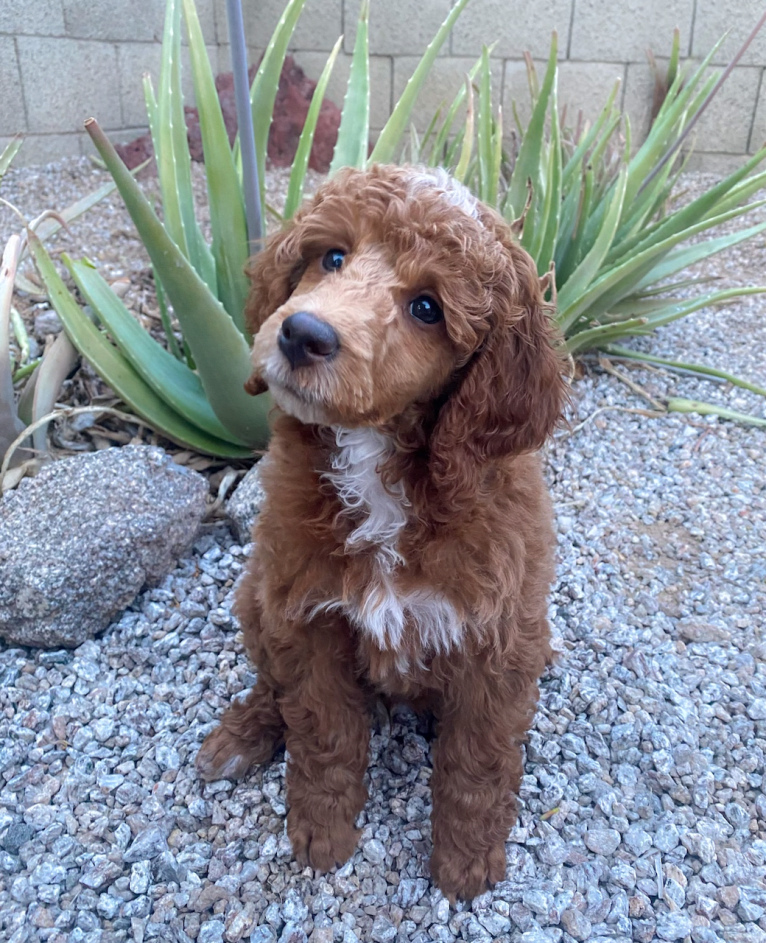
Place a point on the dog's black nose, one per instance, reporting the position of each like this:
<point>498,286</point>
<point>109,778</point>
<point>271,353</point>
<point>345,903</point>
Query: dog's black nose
<point>304,339</point>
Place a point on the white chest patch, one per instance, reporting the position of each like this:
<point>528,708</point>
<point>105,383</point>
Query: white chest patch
<point>382,611</point>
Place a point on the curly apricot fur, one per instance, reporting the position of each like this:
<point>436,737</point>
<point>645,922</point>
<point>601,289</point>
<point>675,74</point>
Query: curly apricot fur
<point>466,405</point>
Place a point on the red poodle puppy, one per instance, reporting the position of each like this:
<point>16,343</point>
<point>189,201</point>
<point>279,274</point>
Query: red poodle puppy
<point>405,546</point>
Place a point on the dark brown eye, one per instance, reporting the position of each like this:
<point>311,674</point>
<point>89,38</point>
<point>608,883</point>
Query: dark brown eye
<point>333,260</point>
<point>425,309</point>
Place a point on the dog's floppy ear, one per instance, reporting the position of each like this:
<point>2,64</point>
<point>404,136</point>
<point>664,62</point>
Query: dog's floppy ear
<point>511,393</point>
<point>273,274</point>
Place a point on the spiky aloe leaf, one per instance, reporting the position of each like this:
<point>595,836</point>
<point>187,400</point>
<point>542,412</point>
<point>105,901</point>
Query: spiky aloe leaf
<point>529,162</point>
<point>388,141</point>
<point>220,351</point>
<point>170,379</point>
<point>263,91</point>
<point>303,152</point>
<point>679,405</point>
<point>674,310</point>
<point>484,147</point>
<point>701,369</point>
<point>586,271</point>
<point>58,362</point>
<point>227,211</point>
<point>117,371</point>
<point>354,131</point>
<point>629,276</point>
<point>10,424</point>
<point>10,150</point>
<point>461,171</point>
<point>442,136</point>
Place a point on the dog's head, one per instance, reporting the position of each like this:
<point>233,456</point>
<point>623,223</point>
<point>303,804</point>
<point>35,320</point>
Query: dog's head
<point>395,288</point>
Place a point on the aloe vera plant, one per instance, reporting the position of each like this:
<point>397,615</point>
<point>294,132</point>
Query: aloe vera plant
<point>193,392</point>
<point>595,218</point>
<point>601,221</point>
<point>29,387</point>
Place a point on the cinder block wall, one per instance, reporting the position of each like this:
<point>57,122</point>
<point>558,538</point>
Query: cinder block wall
<point>62,60</point>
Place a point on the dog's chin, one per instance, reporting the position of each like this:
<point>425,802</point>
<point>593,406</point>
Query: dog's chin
<point>298,405</point>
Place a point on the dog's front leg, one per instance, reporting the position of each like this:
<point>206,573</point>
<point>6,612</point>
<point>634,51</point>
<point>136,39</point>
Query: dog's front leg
<point>327,737</point>
<point>477,773</point>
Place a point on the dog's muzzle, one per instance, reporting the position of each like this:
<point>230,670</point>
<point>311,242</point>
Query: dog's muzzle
<point>304,339</point>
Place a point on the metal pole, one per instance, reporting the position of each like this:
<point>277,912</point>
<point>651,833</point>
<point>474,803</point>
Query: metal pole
<point>250,182</point>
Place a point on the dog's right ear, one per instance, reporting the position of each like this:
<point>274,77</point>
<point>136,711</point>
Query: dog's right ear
<point>273,272</point>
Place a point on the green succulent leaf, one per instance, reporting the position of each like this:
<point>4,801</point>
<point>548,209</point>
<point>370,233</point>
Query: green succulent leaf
<point>354,131</point>
<point>170,378</point>
<point>227,209</point>
<point>117,371</point>
<point>220,351</point>
<point>9,152</point>
<point>388,141</point>
<point>678,405</point>
<point>529,162</point>
<point>303,152</point>
<point>263,91</point>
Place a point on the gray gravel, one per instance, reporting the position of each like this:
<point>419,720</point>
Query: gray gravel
<point>643,813</point>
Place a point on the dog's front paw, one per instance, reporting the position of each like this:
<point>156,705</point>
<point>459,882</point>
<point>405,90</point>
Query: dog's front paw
<point>321,845</point>
<point>461,874</point>
<point>224,755</point>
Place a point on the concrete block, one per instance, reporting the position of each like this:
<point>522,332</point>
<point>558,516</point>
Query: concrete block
<point>758,131</point>
<point>46,148</point>
<point>582,86</point>
<point>718,164</point>
<point>441,86</point>
<point>622,32</point>
<point>41,18</point>
<point>725,125</point>
<point>713,19</point>
<point>312,64</point>
<point>517,27</point>
<point>129,20</point>
<point>12,116</point>
<point>638,98</point>
<point>66,80</point>
<point>397,28</point>
<point>319,26</point>
<point>136,58</point>
<point>586,86</point>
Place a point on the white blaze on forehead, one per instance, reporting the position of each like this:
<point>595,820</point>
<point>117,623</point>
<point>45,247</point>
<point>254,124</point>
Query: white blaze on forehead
<point>454,192</point>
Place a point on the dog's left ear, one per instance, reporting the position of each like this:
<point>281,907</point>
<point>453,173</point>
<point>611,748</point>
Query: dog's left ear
<point>512,392</point>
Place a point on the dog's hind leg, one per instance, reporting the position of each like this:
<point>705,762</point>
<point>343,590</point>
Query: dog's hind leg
<point>250,732</point>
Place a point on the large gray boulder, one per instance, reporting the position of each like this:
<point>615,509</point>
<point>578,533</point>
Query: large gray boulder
<point>79,541</point>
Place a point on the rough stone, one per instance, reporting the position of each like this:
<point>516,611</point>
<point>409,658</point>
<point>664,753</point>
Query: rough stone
<point>245,504</point>
<point>602,841</point>
<point>79,541</point>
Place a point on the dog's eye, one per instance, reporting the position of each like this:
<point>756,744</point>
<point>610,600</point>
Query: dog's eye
<point>333,260</point>
<point>425,309</point>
